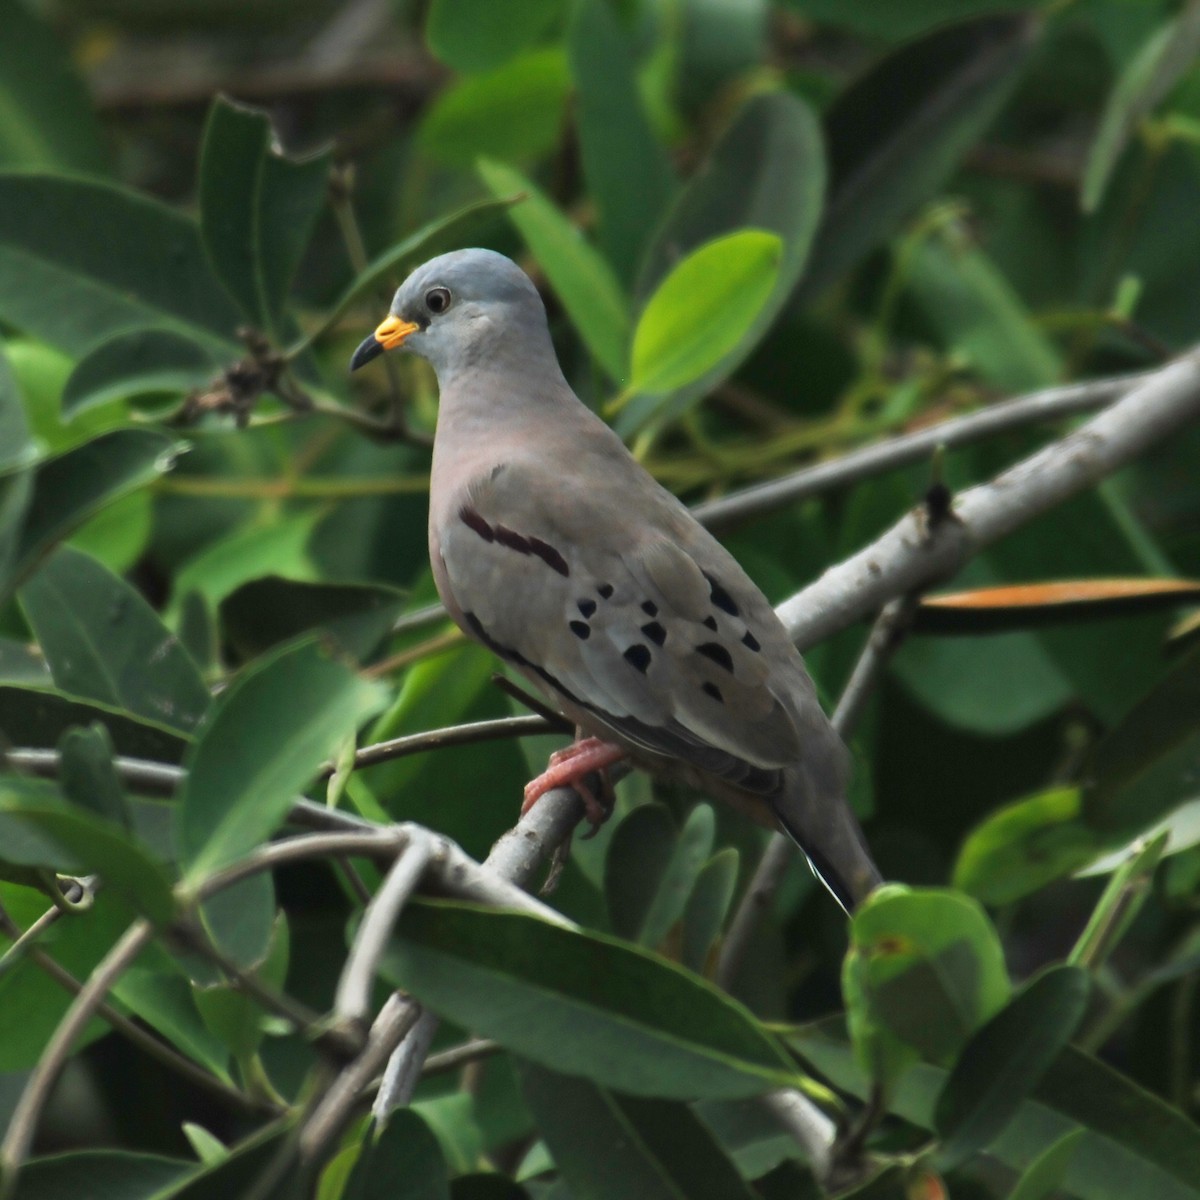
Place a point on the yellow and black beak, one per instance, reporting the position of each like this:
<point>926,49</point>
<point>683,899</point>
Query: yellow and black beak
<point>388,336</point>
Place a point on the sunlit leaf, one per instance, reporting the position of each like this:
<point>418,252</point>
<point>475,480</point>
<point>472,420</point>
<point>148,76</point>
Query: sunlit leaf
<point>477,35</point>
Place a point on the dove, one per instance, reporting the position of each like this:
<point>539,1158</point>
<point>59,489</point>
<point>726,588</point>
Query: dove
<point>553,547</point>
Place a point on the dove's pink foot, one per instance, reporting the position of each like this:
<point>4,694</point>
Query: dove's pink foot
<point>569,768</point>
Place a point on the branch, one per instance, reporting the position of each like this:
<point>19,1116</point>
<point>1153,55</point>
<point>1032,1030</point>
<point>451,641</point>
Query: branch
<point>890,454</point>
<point>916,553</point>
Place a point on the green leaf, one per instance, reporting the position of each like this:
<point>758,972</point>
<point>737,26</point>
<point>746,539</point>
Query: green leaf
<point>512,113</point>
<point>611,1147</point>
<point>100,1175</point>
<point>1042,1178</point>
<point>36,717</point>
<point>1134,1144</point>
<point>583,1003</point>
<point>114,648</point>
<point>257,208</point>
<point>69,840</point>
<point>1024,846</point>
<point>1147,78</point>
<point>233,1015</point>
<point>267,735</point>
<point>431,238</point>
<point>906,944</point>
<point>1142,767</point>
<point>651,868</point>
<point>264,1160</point>
<point>22,663</point>
<point>703,308</point>
<point>707,907</point>
<point>264,612</point>
<point>1005,1060</point>
<point>57,241</point>
<point>625,166</point>
<point>898,22</point>
<point>136,364</point>
<point>766,172</point>
<point>581,279</point>
<point>477,35</point>
<point>898,132</point>
<point>241,921</point>
<point>46,118</point>
<point>979,315</point>
<point>165,1001</point>
<point>1119,905</point>
<point>17,447</point>
<point>401,1161</point>
<point>87,776</point>
<point>75,485</point>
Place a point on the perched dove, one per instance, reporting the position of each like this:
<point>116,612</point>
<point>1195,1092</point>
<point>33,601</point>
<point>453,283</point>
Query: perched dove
<point>554,548</point>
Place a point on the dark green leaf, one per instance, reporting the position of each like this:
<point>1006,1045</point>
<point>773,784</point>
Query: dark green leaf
<point>17,447</point>
<point>257,208</point>
<point>703,309</point>
<point>1025,845</point>
<point>48,122</point>
<point>241,920</point>
<point>38,717</point>
<point>1143,766</point>
<point>22,663</point>
<point>135,364</point>
<point>1005,1060</point>
<point>430,239</point>
<point>265,612</point>
<point>707,908</point>
<point>512,113</point>
<point>935,945</point>
<point>100,1175</point>
<point>114,648</point>
<point>896,134</point>
<point>57,240</point>
<point>31,1003</point>
<point>265,1161</point>
<point>267,735</point>
<point>401,1161</point>
<point>626,167</point>
<point>1147,78</point>
<point>766,172</point>
<point>87,775</point>
<point>1041,1179</point>
<point>1134,1144</point>
<point>582,279</point>
<point>899,21</point>
<point>477,35</point>
<point>611,1147</point>
<point>75,485</point>
<point>583,1003</point>
<point>67,839</point>
<point>637,855</point>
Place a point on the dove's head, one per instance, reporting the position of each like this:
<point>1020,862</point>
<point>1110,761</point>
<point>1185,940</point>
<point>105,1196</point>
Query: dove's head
<point>464,310</point>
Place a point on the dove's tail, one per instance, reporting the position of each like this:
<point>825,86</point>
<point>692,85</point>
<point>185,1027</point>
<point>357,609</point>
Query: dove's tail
<point>813,812</point>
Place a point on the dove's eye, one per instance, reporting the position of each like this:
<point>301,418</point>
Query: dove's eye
<point>437,299</point>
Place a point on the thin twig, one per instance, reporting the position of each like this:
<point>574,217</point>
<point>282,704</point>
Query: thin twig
<point>28,1111</point>
<point>460,1056</point>
<point>1050,404</point>
<point>352,1002</point>
<point>807,1124</point>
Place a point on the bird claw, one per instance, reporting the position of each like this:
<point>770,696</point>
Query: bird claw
<point>570,767</point>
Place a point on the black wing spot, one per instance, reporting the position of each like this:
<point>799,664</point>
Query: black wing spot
<point>511,539</point>
<point>750,641</point>
<point>718,654</point>
<point>638,657</point>
<point>549,556</point>
<point>720,597</point>
<point>472,520</point>
<point>586,607</point>
<point>581,630</point>
<point>650,608</point>
<point>655,632</point>
<point>710,623</point>
<point>605,590</point>
<point>711,689</point>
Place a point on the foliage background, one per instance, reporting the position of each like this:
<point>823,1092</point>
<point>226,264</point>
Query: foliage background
<point>965,211</point>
